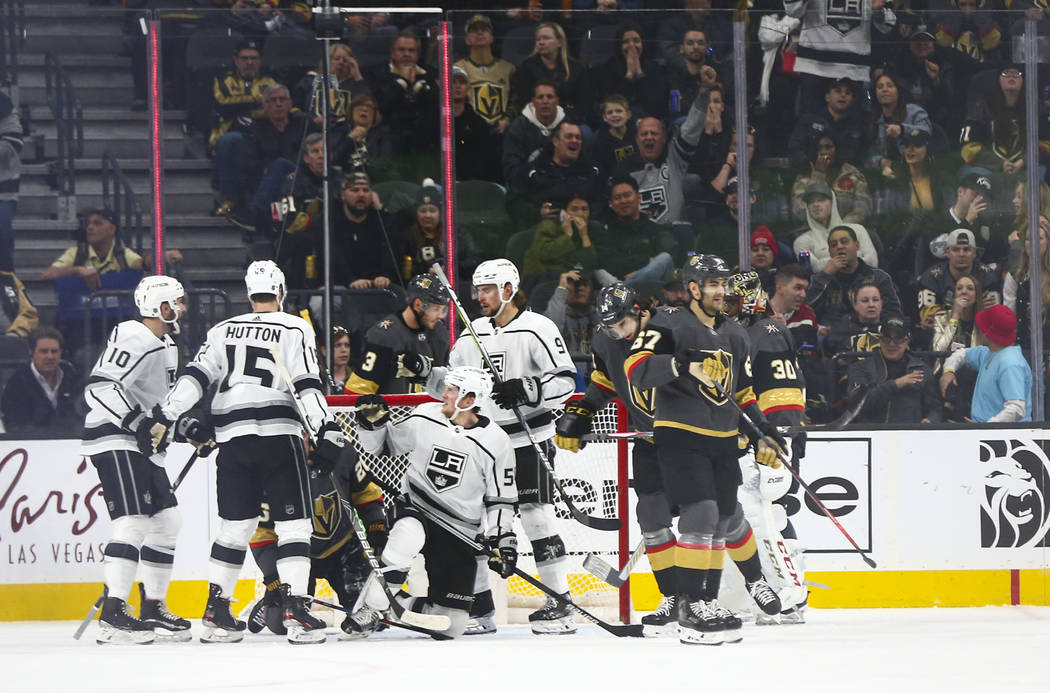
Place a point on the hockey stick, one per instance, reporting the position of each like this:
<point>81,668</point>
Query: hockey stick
<point>430,621</point>
<point>631,631</point>
<point>772,444</point>
<point>437,635</point>
<point>185,470</point>
<point>608,524</point>
<point>90,616</point>
<point>600,569</point>
<point>847,416</point>
<point>616,436</point>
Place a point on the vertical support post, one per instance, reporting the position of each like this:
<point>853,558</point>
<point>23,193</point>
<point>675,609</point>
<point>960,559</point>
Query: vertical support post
<point>156,142</point>
<point>1035,315</point>
<point>623,425</point>
<point>743,165</point>
<point>448,166</point>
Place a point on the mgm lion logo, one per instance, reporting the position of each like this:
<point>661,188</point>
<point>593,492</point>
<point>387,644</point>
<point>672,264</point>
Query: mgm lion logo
<point>1014,510</point>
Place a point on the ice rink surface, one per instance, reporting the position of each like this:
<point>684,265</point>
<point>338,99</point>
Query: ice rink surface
<point>887,650</point>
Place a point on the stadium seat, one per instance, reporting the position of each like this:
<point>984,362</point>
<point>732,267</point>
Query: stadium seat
<point>371,50</point>
<point>518,43</point>
<point>207,51</point>
<point>598,45</point>
<point>481,212</point>
<point>398,195</point>
<point>288,54</point>
<point>517,244</point>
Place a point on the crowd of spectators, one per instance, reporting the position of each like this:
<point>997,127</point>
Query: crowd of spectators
<point>886,152</point>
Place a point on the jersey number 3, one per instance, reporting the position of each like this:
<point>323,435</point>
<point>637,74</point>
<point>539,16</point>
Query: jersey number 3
<point>248,365</point>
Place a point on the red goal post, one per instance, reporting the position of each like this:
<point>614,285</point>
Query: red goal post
<point>597,479</point>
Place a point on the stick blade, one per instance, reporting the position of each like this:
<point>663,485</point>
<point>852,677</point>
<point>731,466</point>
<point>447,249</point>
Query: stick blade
<point>602,570</point>
<point>604,524</point>
<point>435,622</point>
<point>871,563</point>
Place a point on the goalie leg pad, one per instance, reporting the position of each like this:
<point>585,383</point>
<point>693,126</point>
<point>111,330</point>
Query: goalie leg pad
<point>122,553</point>
<point>458,618</point>
<point>293,553</point>
<point>158,552</point>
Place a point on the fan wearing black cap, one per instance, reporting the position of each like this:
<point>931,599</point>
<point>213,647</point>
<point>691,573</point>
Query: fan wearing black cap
<point>488,76</point>
<point>900,387</point>
<point>930,74</point>
<point>937,284</point>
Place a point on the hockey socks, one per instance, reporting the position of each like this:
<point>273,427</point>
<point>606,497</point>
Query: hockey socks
<point>693,559</point>
<point>714,571</point>
<point>662,559</point>
<point>745,554</point>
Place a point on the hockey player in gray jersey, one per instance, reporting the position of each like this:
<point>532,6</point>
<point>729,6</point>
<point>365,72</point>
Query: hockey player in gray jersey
<point>538,375</point>
<point>622,322</point>
<point>261,455</point>
<point>781,395</point>
<point>130,378</point>
<point>695,358</point>
<point>460,470</point>
<point>402,347</point>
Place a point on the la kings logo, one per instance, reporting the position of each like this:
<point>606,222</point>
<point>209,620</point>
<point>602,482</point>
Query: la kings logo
<point>845,15</point>
<point>445,468</point>
<point>1014,510</point>
<point>499,359</point>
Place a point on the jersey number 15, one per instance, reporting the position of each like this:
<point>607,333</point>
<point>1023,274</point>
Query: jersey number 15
<point>247,365</point>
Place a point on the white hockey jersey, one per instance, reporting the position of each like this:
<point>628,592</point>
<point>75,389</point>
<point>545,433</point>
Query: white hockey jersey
<point>530,345</point>
<point>463,475</point>
<point>133,373</point>
<point>835,40</point>
<point>252,397</point>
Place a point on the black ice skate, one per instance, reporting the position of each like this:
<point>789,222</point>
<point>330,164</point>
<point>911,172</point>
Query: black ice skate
<point>698,624</point>
<point>166,625</point>
<point>268,612</point>
<point>553,619</point>
<point>303,627</point>
<point>219,623</point>
<point>731,623</point>
<point>360,624</point>
<point>665,614</point>
<point>116,626</point>
<point>764,596</point>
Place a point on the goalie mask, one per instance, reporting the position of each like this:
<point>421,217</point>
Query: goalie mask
<point>745,292</point>
<point>153,292</point>
<point>265,277</point>
<point>470,381</point>
<point>499,272</point>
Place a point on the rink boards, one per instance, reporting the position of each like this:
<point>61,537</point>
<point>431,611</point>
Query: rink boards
<point>953,518</point>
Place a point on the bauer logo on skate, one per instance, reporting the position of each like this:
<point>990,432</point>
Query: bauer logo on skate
<point>1014,510</point>
<point>445,469</point>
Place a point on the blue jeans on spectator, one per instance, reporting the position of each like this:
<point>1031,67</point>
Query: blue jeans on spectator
<point>658,269</point>
<point>269,190</point>
<point>228,156</point>
<point>8,209</point>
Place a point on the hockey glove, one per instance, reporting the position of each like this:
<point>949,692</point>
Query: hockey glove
<point>798,446</point>
<point>373,517</point>
<point>413,365</point>
<point>330,443</point>
<point>574,423</point>
<point>506,546</point>
<point>765,453</point>
<point>517,392</point>
<point>151,432</point>
<point>372,412</point>
<point>190,429</point>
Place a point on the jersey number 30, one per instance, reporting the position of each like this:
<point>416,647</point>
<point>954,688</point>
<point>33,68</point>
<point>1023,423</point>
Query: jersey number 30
<point>248,365</point>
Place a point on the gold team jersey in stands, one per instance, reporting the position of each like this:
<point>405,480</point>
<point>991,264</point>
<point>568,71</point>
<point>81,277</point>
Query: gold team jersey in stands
<point>489,88</point>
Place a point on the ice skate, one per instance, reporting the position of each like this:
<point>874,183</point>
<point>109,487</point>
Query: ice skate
<point>219,623</point>
<point>166,625</point>
<point>665,614</point>
<point>553,619</point>
<point>117,627</point>
<point>698,624</point>
<point>303,627</point>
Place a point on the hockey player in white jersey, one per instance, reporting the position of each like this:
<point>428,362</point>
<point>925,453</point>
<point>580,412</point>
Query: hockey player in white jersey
<point>459,469</point>
<point>538,376</point>
<point>261,454</point>
<point>130,378</point>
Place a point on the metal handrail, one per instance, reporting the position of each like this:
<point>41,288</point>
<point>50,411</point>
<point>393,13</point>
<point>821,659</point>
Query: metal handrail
<point>123,201</point>
<point>12,37</point>
<point>69,126</point>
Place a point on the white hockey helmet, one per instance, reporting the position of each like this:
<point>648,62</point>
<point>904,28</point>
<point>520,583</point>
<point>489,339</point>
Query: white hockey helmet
<point>471,381</point>
<point>499,272</point>
<point>265,277</point>
<point>156,290</point>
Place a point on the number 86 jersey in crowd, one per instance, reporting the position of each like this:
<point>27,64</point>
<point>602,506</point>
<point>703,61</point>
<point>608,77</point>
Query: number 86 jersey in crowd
<point>134,372</point>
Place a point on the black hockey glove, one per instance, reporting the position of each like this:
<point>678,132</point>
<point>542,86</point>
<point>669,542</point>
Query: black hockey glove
<point>506,545</point>
<point>330,443</point>
<point>798,446</point>
<point>517,392</point>
<point>151,432</point>
<point>372,412</point>
<point>373,517</point>
<point>413,365</point>
<point>190,429</point>
<point>574,423</point>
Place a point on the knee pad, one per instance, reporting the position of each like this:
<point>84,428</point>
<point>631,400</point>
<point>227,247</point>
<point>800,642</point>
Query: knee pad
<point>654,512</point>
<point>235,534</point>
<point>700,517</point>
<point>733,528</point>
<point>130,530</point>
<point>165,526</point>
<point>289,531</point>
<point>458,618</point>
<point>537,519</point>
<point>406,540</point>
<point>659,537</point>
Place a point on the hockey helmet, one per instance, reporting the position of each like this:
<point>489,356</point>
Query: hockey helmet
<point>499,272</point>
<point>426,288</point>
<point>469,380</point>
<point>154,291</point>
<point>615,302</point>
<point>746,291</point>
<point>265,277</point>
<point>701,266</point>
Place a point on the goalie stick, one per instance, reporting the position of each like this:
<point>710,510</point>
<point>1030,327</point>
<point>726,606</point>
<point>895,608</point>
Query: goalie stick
<point>608,524</point>
<point>809,492</point>
<point>600,569</point>
<point>428,621</point>
<point>620,631</point>
<point>437,635</point>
